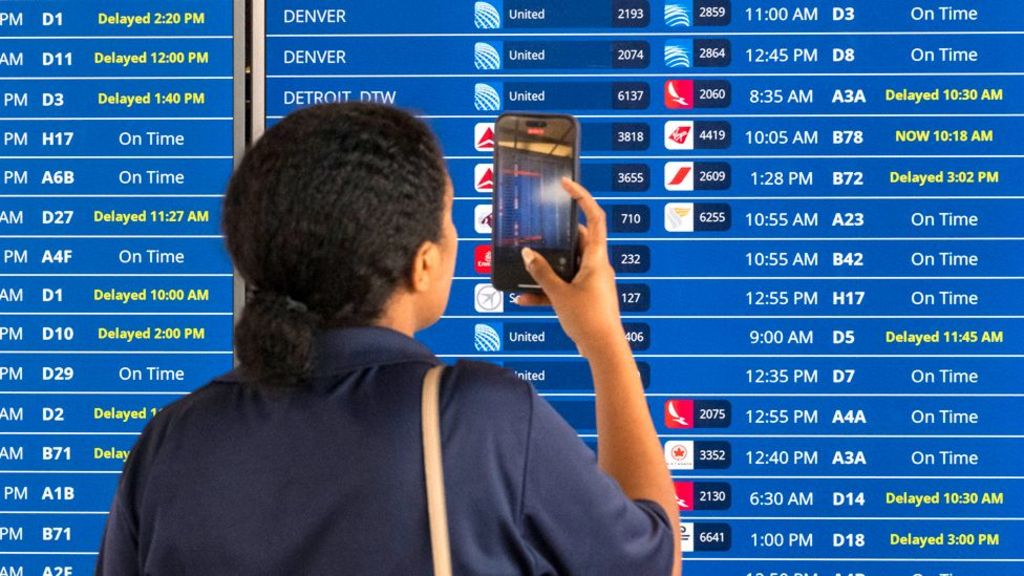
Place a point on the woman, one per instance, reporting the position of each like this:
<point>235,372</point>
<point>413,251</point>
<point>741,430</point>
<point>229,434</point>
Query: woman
<point>306,459</point>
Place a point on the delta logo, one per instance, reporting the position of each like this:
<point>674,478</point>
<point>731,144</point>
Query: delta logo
<point>483,137</point>
<point>679,94</point>
<point>679,414</point>
<point>679,135</point>
<point>679,176</point>
<point>482,259</point>
<point>484,178</point>
<point>684,496</point>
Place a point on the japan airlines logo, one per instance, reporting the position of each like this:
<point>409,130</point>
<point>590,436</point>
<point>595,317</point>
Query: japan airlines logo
<point>678,217</point>
<point>684,495</point>
<point>482,259</point>
<point>486,57</point>
<point>483,135</point>
<point>487,99</point>
<point>678,135</point>
<point>488,300</point>
<point>679,414</point>
<point>677,14</point>
<point>678,94</point>
<point>679,454</point>
<point>483,218</point>
<point>486,338</point>
<point>677,53</point>
<point>483,178</point>
<point>679,176</point>
<point>486,16</point>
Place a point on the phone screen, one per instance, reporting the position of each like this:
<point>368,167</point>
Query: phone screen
<point>531,208</point>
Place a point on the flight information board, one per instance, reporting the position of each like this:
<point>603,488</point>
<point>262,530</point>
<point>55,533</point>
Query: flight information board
<point>815,211</point>
<point>117,137</point>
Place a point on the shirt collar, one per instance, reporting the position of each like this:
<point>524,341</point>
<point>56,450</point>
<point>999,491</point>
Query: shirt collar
<point>340,350</point>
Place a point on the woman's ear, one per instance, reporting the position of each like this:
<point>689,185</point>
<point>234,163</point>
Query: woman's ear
<point>426,265</point>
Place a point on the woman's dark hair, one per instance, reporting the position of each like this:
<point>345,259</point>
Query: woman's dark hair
<point>322,219</point>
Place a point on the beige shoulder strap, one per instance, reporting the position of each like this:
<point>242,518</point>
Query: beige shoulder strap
<point>434,470</point>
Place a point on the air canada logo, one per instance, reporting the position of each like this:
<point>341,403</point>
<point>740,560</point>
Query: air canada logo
<point>679,414</point>
<point>486,16</point>
<point>484,178</point>
<point>678,14</point>
<point>679,454</point>
<point>487,99</point>
<point>678,135</point>
<point>486,338</point>
<point>679,94</point>
<point>679,218</point>
<point>679,176</point>
<point>677,53</point>
<point>486,56</point>
<point>483,136</point>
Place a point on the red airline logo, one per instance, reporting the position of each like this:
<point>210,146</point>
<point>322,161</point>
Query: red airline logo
<point>679,94</point>
<point>679,176</point>
<point>482,259</point>
<point>679,413</point>
<point>677,135</point>
<point>684,496</point>
<point>484,137</point>
<point>484,176</point>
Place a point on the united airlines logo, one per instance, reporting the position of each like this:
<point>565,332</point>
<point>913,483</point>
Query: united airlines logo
<point>486,16</point>
<point>486,98</point>
<point>677,14</point>
<point>486,338</point>
<point>677,53</point>
<point>486,57</point>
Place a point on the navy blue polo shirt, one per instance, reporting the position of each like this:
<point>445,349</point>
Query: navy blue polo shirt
<point>235,479</point>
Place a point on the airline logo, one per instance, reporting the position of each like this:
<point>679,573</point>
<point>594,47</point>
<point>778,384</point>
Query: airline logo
<point>488,300</point>
<point>679,217</point>
<point>487,17</point>
<point>678,53</point>
<point>679,414</point>
<point>486,338</point>
<point>482,259</point>
<point>679,176</point>
<point>483,218</point>
<point>487,99</point>
<point>678,94</point>
<point>483,178</point>
<point>487,57</point>
<point>678,14</point>
<point>679,135</point>
<point>686,535</point>
<point>483,136</point>
<point>679,454</point>
<point>684,496</point>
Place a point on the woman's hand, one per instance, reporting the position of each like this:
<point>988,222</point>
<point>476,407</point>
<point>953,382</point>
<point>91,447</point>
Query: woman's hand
<point>587,307</point>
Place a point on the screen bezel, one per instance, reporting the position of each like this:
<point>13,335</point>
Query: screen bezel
<point>507,271</point>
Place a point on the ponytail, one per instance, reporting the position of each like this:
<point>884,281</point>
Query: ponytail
<point>275,339</point>
<point>323,217</point>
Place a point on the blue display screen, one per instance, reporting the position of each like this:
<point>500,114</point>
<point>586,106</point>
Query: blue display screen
<point>815,215</point>
<point>117,138</point>
<point>815,219</point>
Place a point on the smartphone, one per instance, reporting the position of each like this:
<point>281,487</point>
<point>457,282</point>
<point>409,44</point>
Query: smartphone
<point>532,152</point>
